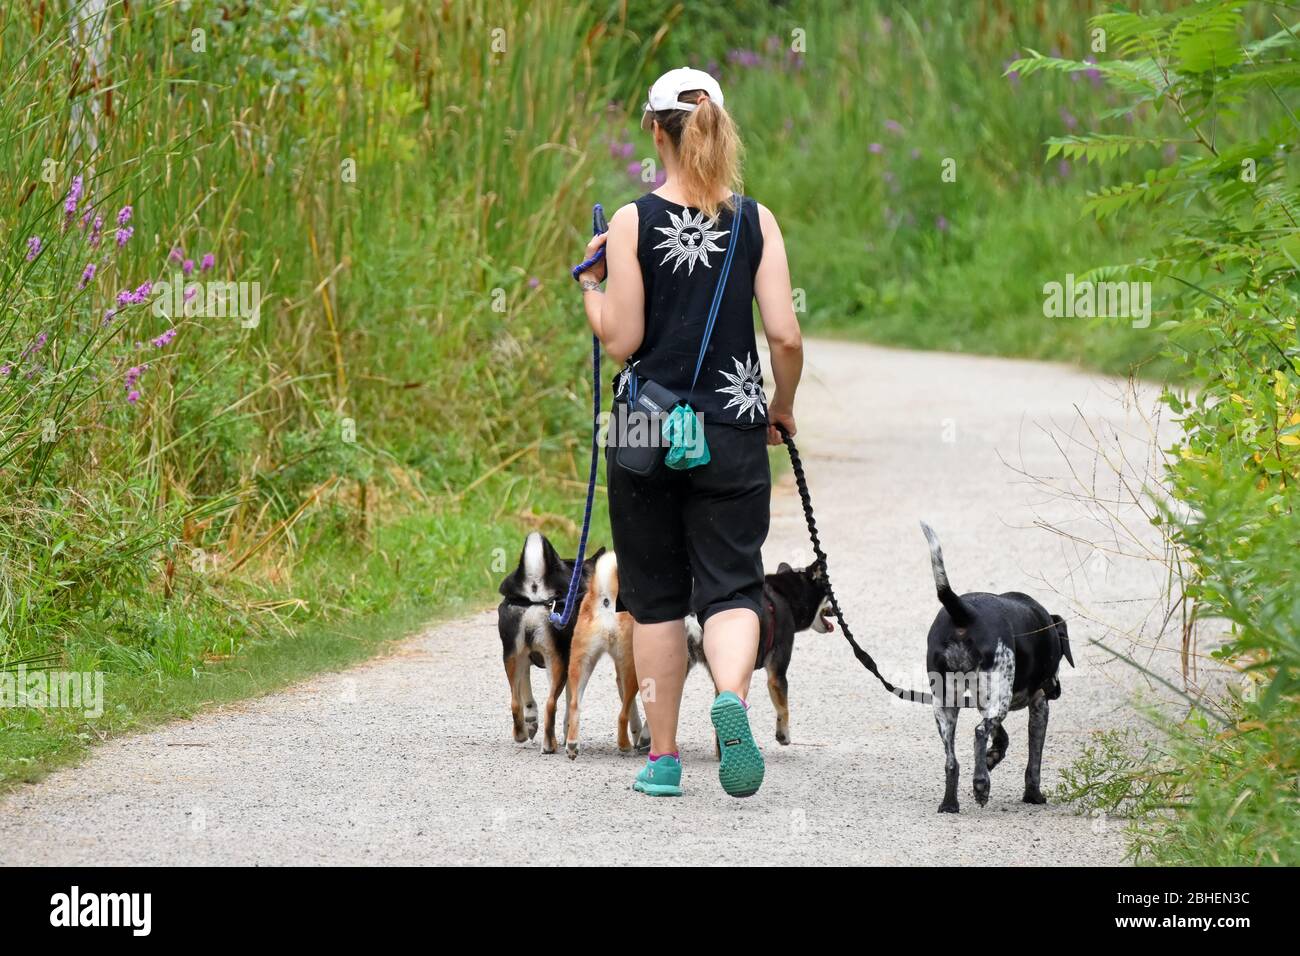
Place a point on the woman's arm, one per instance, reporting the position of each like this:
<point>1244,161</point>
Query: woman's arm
<point>617,315</point>
<point>784,340</point>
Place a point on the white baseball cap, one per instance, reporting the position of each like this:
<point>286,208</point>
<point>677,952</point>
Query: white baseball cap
<point>666,90</point>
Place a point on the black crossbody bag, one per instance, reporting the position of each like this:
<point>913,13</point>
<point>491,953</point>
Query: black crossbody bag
<point>654,400</point>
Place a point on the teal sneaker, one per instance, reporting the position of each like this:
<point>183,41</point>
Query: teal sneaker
<point>741,769</point>
<point>660,778</point>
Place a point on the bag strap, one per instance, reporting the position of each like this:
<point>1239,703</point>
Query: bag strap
<point>736,222</point>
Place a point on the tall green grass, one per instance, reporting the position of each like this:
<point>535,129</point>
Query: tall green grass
<point>404,193</point>
<point>852,113</point>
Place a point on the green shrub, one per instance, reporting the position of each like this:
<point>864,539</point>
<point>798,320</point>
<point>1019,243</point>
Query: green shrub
<point>1226,74</point>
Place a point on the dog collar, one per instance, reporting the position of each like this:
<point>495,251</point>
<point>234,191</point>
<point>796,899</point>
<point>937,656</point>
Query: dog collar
<point>524,602</point>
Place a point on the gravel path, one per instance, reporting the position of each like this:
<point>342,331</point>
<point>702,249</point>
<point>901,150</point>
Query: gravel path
<point>408,759</point>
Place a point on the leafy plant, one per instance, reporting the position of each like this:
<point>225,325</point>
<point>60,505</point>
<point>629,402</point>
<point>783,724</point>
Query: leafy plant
<point>1228,262</point>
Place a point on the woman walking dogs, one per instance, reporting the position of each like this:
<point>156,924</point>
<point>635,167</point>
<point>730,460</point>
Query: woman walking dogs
<point>684,264</point>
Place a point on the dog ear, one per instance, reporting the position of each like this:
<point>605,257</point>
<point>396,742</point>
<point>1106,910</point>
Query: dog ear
<point>590,562</point>
<point>513,583</point>
<point>550,557</point>
<point>1063,636</point>
<point>783,568</point>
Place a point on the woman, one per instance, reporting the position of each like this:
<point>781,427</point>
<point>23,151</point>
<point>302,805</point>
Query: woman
<point>691,540</point>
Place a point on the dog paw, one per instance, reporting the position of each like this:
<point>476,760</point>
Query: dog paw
<point>783,738</point>
<point>571,748</point>
<point>1034,796</point>
<point>548,748</point>
<point>981,789</point>
<point>947,807</point>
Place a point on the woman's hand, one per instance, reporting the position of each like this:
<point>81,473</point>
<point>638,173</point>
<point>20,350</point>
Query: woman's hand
<point>779,415</point>
<point>598,271</point>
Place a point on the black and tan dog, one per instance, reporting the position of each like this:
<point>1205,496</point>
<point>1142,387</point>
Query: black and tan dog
<point>795,600</point>
<point>603,629</point>
<point>1003,649</point>
<point>529,639</point>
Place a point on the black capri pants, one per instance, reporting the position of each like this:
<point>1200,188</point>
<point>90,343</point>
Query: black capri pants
<point>692,540</point>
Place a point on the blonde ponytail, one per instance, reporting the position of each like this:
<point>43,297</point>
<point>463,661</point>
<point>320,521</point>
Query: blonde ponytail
<point>708,152</point>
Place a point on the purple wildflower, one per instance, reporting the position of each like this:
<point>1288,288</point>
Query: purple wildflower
<point>95,229</point>
<point>74,196</point>
<point>1014,76</point>
<point>875,148</point>
<point>37,344</point>
<point>941,223</point>
<point>33,247</point>
<point>1068,119</point>
<point>534,282</point>
<point>5,370</point>
<point>191,292</point>
<point>894,126</point>
<point>187,266</point>
<point>108,316</point>
<point>634,170</point>
<point>176,255</point>
<point>133,396</point>
<point>124,215</point>
<point>209,260</point>
<point>87,275</point>
<point>165,339</point>
<point>142,291</point>
<point>124,298</point>
<point>123,234</point>
<point>1063,168</point>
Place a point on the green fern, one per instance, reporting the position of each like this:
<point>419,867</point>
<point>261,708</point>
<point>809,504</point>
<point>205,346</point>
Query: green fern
<point>1227,277</point>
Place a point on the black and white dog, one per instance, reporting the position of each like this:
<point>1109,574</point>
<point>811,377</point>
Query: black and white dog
<point>795,600</point>
<point>529,639</point>
<point>1004,649</point>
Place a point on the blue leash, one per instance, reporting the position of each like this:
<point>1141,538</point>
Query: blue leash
<point>598,226</point>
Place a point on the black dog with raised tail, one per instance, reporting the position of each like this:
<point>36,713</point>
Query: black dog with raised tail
<point>1002,650</point>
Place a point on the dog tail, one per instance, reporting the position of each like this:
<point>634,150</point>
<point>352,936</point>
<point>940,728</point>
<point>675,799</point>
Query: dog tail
<point>956,608</point>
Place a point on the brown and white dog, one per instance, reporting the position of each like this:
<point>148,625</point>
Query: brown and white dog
<point>602,629</point>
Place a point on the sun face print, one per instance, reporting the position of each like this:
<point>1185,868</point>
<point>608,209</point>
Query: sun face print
<point>745,388</point>
<point>690,240</point>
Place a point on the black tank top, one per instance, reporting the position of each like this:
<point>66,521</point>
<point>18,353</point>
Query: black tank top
<point>681,256</point>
